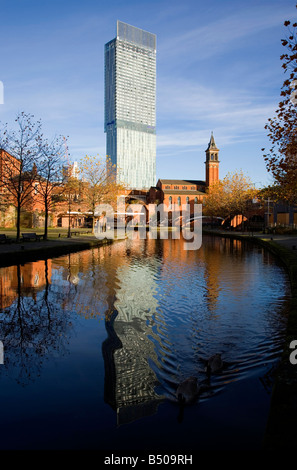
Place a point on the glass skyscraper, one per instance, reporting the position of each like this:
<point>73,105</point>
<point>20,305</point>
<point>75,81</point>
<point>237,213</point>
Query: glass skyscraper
<point>130,105</point>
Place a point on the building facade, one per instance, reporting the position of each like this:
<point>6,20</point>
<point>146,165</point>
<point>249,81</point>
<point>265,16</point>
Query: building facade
<point>130,105</point>
<point>176,192</point>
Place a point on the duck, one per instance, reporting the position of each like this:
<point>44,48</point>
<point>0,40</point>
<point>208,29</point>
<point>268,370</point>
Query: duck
<point>187,391</point>
<point>214,364</point>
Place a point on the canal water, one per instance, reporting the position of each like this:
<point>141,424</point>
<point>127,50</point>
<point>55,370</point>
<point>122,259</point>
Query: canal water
<point>96,343</point>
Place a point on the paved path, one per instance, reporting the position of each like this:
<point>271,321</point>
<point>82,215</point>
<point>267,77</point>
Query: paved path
<point>289,241</point>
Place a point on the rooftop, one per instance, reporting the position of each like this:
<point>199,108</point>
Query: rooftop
<point>182,182</point>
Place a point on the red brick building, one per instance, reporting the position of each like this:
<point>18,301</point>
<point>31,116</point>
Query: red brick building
<point>9,165</point>
<point>178,192</point>
<point>9,181</point>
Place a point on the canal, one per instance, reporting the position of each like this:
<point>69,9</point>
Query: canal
<point>96,342</point>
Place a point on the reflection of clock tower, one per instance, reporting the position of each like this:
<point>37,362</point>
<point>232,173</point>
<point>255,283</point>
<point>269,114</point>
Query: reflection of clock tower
<point>212,162</point>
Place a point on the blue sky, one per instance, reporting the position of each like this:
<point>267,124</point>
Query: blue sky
<point>218,69</point>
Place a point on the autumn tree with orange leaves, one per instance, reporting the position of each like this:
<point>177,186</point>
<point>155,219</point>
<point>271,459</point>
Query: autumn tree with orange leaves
<point>230,196</point>
<point>99,184</point>
<point>281,159</point>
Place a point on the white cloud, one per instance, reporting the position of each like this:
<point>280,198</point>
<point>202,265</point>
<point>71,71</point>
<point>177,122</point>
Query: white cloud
<point>188,105</point>
<point>222,33</point>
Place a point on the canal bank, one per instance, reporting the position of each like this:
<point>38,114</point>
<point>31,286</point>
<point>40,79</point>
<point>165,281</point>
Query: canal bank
<point>281,430</point>
<point>29,251</point>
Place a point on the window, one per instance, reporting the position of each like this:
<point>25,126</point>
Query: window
<point>179,201</point>
<point>176,187</point>
<point>196,200</point>
<point>188,200</point>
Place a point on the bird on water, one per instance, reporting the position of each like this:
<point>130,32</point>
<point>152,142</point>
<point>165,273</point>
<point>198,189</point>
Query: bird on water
<point>188,390</point>
<point>214,364</point>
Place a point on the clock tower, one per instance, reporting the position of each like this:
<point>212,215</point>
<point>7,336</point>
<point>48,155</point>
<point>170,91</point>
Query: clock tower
<point>211,163</point>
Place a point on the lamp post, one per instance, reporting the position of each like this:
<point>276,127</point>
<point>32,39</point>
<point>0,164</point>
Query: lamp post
<point>267,213</point>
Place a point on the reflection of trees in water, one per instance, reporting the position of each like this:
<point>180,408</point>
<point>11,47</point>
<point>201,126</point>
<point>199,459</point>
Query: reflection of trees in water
<point>32,329</point>
<point>85,283</point>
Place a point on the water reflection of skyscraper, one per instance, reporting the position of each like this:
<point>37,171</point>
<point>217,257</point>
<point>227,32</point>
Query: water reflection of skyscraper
<point>131,381</point>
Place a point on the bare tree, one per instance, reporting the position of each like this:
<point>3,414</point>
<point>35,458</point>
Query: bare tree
<point>70,192</point>
<point>21,153</point>
<point>50,175</point>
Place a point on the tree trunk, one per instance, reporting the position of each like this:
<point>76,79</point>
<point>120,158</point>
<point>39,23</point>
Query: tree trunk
<point>18,224</point>
<point>93,206</point>
<point>93,224</point>
<point>45,221</point>
<point>69,218</point>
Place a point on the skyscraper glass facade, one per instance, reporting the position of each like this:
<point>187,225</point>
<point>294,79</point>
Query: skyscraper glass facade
<point>130,105</point>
